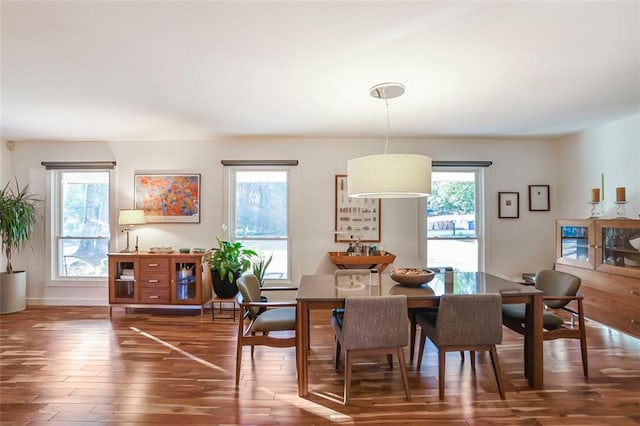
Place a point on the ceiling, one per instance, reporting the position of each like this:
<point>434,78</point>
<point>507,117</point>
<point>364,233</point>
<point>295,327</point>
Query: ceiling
<point>186,70</point>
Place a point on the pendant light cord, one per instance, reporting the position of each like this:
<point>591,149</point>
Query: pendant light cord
<point>386,102</point>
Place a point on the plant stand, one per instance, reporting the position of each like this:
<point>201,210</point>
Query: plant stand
<point>223,306</point>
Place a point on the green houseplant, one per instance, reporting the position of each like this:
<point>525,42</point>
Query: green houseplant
<point>227,262</point>
<point>18,219</point>
<point>259,267</point>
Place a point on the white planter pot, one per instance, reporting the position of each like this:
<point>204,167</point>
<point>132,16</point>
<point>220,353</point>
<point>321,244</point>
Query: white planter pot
<point>13,292</point>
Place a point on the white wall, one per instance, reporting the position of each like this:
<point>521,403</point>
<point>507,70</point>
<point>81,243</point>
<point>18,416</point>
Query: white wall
<point>513,245</point>
<point>613,149</point>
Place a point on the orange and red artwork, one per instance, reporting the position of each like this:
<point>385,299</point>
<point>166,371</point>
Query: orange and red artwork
<point>168,198</point>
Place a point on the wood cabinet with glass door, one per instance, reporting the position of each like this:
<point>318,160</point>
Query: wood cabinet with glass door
<point>600,253</point>
<point>163,280</point>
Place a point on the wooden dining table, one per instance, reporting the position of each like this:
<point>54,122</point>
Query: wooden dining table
<point>326,292</point>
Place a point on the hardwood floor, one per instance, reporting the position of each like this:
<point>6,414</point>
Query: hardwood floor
<point>74,365</point>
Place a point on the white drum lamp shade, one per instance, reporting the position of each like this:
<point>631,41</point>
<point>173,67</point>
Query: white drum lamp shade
<point>131,217</point>
<point>389,176</point>
<point>127,218</point>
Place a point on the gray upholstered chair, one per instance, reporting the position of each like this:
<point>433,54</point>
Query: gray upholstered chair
<point>560,288</point>
<point>373,325</point>
<point>448,277</point>
<point>463,322</point>
<point>264,318</point>
<point>345,278</point>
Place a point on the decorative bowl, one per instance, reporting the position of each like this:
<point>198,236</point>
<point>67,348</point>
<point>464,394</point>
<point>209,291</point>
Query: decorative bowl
<point>412,277</point>
<point>185,250</point>
<point>632,260</point>
<point>635,242</point>
<point>161,250</point>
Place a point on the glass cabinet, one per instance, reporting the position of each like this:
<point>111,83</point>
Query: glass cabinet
<point>605,245</point>
<point>618,243</point>
<point>123,285</point>
<point>576,243</point>
<point>185,280</point>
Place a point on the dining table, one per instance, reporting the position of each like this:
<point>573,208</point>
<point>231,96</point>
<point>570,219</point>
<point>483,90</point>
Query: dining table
<point>327,292</point>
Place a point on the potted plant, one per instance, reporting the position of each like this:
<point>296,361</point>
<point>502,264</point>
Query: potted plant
<point>259,267</point>
<point>227,263</point>
<point>18,219</point>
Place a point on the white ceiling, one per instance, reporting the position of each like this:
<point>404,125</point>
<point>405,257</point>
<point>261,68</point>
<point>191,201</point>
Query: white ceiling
<point>201,70</point>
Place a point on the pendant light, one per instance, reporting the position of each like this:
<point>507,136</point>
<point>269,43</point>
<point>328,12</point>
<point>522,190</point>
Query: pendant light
<point>389,175</point>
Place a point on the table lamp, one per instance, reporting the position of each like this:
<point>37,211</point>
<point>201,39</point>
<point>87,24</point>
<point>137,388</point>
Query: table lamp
<point>128,218</point>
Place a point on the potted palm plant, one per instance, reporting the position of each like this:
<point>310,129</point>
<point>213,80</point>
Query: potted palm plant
<point>18,219</point>
<point>227,262</point>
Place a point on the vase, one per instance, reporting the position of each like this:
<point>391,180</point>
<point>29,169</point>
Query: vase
<point>224,288</point>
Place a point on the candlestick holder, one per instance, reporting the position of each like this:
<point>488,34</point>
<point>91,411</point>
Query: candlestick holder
<point>621,210</point>
<point>596,208</point>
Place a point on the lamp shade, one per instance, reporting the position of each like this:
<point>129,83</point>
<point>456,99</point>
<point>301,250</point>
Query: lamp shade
<point>131,217</point>
<point>389,176</point>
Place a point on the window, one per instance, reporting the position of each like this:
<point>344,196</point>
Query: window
<point>80,223</point>
<point>259,211</point>
<point>452,218</point>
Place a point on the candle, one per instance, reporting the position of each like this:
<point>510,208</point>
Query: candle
<point>602,185</point>
<point>595,195</point>
<point>621,194</point>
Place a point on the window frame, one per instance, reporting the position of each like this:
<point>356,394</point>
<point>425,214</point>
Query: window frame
<point>230,211</point>
<point>53,226</point>
<point>480,214</point>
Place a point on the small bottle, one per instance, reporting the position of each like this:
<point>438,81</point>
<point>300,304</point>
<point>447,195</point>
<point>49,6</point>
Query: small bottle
<point>351,250</point>
<point>358,249</point>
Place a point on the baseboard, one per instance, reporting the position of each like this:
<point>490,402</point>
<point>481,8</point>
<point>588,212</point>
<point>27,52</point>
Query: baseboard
<point>39,301</point>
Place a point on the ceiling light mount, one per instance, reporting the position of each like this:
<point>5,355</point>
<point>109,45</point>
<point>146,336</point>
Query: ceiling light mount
<point>387,90</point>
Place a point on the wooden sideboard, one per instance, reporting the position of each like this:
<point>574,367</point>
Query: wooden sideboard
<point>598,251</point>
<point>158,279</point>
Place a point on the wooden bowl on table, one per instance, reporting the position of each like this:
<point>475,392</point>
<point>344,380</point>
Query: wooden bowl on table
<point>412,277</point>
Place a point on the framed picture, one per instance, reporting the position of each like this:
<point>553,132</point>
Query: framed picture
<point>508,205</point>
<point>359,217</point>
<point>168,198</point>
<point>539,198</point>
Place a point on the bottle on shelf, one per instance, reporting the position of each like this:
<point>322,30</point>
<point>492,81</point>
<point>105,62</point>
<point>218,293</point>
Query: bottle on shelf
<point>351,250</point>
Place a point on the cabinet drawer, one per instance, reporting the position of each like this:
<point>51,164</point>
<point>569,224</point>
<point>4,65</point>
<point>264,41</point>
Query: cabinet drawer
<point>149,295</point>
<point>160,279</point>
<point>154,265</point>
<point>600,306</point>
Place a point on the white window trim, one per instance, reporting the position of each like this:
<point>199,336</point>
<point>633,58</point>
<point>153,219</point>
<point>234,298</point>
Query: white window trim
<point>480,214</point>
<point>53,212</point>
<point>229,213</point>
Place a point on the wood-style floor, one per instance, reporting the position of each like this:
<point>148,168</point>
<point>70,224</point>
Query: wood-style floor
<point>74,365</point>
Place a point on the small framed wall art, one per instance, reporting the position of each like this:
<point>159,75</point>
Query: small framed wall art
<point>539,198</point>
<point>359,217</point>
<point>168,198</point>
<point>508,205</point>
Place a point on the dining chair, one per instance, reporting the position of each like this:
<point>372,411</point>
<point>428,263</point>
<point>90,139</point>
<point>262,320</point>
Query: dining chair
<point>470,322</point>
<point>448,277</point>
<point>372,325</point>
<point>344,279</point>
<point>560,289</point>
<point>264,318</point>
